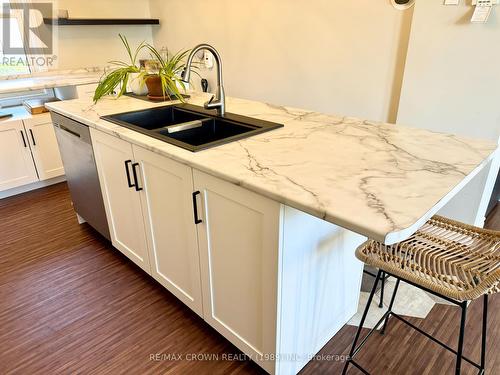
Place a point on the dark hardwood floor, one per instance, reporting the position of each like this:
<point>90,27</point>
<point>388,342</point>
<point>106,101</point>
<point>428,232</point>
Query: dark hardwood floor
<point>70,303</point>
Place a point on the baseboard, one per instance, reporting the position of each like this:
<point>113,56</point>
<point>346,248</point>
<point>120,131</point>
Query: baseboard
<point>32,186</point>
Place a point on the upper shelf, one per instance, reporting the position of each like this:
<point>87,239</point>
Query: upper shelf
<point>101,21</point>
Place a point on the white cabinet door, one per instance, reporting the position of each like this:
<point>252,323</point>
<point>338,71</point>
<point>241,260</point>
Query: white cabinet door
<point>45,149</point>
<point>172,238</point>
<point>239,243</point>
<point>114,159</point>
<point>16,162</point>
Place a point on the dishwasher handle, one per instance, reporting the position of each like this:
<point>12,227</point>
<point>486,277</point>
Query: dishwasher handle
<point>71,128</point>
<point>67,130</point>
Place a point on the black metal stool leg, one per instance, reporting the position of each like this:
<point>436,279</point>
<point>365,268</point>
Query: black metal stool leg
<point>381,303</point>
<point>383,320</point>
<point>463,306</point>
<point>363,318</point>
<point>382,331</point>
<point>483,338</point>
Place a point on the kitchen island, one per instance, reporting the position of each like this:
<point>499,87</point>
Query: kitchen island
<point>270,261</point>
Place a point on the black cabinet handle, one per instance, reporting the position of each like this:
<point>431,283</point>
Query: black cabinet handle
<point>24,139</point>
<point>195,208</point>
<point>129,181</point>
<point>134,171</point>
<point>32,137</point>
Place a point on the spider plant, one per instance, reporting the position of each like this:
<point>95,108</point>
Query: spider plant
<point>119,75</point>
<point>170,67</point>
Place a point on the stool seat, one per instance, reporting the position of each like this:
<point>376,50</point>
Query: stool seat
<point>453,259</point>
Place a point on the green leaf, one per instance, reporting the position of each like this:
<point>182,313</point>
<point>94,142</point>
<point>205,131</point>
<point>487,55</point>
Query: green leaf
<point>170,68</point>
<point>109,82</point>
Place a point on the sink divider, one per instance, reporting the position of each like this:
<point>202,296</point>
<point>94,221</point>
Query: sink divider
<point>183,126</point>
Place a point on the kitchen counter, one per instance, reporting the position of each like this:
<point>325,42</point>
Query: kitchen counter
<point>380,180</point>
<point>12,84</point>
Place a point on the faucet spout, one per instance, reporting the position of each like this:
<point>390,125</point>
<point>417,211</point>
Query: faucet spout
<point>218,101</point>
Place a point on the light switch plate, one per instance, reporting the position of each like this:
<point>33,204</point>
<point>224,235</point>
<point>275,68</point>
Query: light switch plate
<point>481,14</point>
<point>451,2</point>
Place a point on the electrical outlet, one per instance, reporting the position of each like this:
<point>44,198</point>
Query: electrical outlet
<point>208,59</point>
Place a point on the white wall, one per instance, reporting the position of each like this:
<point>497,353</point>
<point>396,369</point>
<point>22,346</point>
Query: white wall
<point>333,56</point>
<point>85,46</point>
<point>452,77</point>
<point>452,84</point>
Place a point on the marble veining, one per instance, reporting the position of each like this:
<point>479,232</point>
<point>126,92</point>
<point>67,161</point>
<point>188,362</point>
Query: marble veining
<point>380,180</point>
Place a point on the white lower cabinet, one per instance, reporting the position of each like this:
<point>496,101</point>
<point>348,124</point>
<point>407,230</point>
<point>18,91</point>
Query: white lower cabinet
<point>16,163</point>
<point>171,232</point>
<point>45,149</point>
<point>148,200</point>
<point>239,243</point>
<point>114,160</point>
<point>28,152</point>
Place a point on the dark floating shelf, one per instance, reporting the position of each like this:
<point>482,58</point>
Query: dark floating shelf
<point>101,21</point>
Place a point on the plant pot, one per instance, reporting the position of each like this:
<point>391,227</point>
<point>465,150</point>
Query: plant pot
<point>136,84</point>
<point>154,86</point>
<point>155,90</point>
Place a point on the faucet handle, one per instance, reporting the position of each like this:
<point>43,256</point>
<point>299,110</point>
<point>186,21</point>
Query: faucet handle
<point>210,104</point>
<point>215,103</point>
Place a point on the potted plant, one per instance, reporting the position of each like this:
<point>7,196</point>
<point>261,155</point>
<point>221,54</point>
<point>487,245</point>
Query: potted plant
<point>124,73</point>
<point>164,81</point>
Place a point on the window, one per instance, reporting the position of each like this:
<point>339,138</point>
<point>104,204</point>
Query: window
<point>12,64</point>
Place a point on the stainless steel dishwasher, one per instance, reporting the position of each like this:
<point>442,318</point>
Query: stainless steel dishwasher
<point>81,171</point>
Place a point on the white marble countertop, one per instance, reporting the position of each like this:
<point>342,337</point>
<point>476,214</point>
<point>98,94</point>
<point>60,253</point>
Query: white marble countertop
<point>380,180</point>
<point>48,80</point>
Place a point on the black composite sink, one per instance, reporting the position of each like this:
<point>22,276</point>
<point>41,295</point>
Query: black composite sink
<point>191,127</point>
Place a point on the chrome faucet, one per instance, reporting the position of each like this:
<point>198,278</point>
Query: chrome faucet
<point>218,101</point>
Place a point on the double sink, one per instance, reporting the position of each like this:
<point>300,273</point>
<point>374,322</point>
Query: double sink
<point>191,127</point>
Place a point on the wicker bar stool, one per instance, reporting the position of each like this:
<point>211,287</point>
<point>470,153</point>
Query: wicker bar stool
<point>454,261</point>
